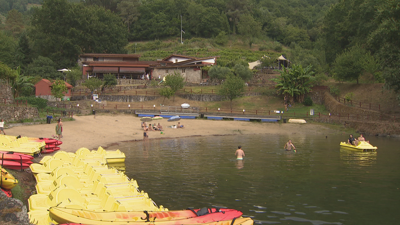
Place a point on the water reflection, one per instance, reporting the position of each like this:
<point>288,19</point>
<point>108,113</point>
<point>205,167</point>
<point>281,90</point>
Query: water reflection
<point>239,164</point>
<point>359,158</point>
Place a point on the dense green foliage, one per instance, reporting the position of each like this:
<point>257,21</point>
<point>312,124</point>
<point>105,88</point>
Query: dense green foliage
<point>93,84</point>
<point>166,92</point>
<point>295,82</point>
<point>58,89</point>
<point>109,80</point>
<point>39,103</point>
<point>174,82</point>
<point>219,72</point>
<point>321,33</point>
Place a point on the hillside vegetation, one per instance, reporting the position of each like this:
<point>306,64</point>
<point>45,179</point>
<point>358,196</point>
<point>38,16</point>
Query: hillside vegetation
<point>350,41</point>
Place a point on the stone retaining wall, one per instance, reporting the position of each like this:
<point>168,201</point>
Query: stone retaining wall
<point>6,93</point>
<point>117,98</point>
<point>12,113</point>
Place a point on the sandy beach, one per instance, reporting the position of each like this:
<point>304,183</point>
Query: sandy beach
<point>105,130</point>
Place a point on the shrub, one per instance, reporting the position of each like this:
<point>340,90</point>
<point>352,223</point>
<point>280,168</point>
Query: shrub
<point>39,103</point>
<point>334,91</point>
<point>349,96</point>
<point>308,101</point>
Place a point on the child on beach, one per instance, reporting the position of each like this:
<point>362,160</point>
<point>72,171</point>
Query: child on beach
<point>2,127</point>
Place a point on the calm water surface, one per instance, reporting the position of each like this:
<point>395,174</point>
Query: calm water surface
<point>319,184</point>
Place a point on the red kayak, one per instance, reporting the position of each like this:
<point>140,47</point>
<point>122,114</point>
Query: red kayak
<point>7,192</point>
<point>56,148</point>
<point>14,165</point>
<point>58,142</point>
<point>15,156</point>
<point>197,216</point>
<point>50,150</point>
<point>46,140</point>
<point>51,146</point>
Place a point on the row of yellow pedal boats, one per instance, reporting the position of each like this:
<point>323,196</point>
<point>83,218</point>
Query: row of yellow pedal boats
<point>81,188</point>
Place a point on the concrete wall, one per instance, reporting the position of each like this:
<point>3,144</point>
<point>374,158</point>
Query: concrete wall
<point>191,75</point>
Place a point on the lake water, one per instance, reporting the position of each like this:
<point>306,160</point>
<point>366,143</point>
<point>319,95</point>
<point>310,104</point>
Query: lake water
<point>319,184</point>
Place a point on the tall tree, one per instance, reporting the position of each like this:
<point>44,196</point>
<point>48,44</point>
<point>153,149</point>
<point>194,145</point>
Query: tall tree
<point>63,30</point>
<point>249,28</point>
<point>129,11</point>
<point>385,42</point>
<point>352,63</point>
<point>232,88</point>
<point>43,67</point>
<point>23,52</point>
<point>7,49</point>
<point>14,22</point>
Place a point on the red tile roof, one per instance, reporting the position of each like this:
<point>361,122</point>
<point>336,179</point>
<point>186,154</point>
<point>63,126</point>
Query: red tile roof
<point>109,55</point>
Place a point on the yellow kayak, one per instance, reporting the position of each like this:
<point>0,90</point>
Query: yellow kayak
<point>8,181</point>
<point>362,146</point>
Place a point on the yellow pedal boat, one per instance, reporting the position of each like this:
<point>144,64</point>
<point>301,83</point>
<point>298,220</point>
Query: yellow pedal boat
<point>362,146</point>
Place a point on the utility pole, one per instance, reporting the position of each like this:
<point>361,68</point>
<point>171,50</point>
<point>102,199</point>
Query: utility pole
<point>181,30</point>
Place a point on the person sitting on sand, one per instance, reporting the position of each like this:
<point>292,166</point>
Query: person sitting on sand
<point>155,126</point>
<point>288,146</point>
<point>180,126</point>
<point>150,127</point>
<point>160,128</point>
<point>239,153</point>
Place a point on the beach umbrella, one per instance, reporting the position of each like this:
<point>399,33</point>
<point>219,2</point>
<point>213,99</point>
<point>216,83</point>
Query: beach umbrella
<point>174,118</point>
<point>157,118</point>
<point>146,119</point>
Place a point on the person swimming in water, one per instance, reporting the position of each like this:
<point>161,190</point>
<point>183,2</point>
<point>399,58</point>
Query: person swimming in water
<point>239,153</point>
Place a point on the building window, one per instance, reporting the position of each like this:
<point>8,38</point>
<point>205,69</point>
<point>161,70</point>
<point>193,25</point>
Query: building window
<point>166,71</point>
<point>95,59</point>
<point>183,70</point>
<point>176,60</point>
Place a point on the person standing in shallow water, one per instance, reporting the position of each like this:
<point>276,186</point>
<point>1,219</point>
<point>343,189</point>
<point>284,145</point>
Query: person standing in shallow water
<point>289,145</point>
<point>239,153</point>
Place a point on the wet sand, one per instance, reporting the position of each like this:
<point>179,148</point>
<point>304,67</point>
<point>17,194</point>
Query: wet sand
<point>104,130</point>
